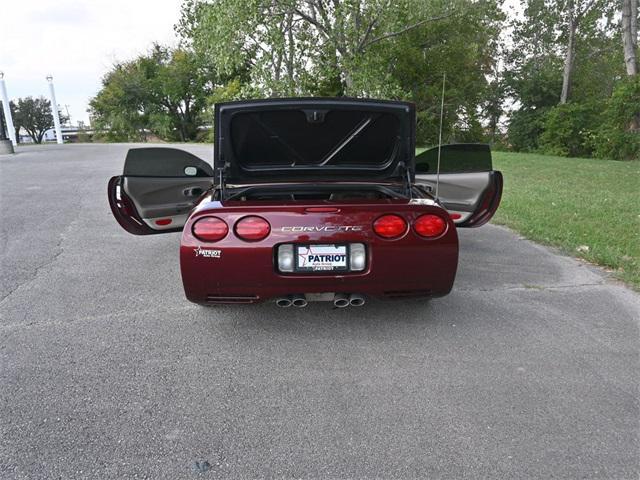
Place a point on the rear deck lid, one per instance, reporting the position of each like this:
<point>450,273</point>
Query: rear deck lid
<point>307,139</point>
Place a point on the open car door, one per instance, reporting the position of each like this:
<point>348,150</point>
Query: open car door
<point>158,189</point>
<point>469,187</point>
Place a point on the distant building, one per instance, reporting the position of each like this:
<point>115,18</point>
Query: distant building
<point>49,136</point>
<point>70,134</point>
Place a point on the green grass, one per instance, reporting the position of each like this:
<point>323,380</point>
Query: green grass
<point>587,208</point>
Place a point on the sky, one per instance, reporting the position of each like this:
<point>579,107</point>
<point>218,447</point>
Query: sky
<point>76,42</point>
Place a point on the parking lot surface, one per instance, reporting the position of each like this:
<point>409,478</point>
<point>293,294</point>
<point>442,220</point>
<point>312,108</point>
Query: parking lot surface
<point>528,369</point>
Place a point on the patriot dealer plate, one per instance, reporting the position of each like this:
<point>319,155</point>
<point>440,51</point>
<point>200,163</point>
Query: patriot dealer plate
<point>318,258</point>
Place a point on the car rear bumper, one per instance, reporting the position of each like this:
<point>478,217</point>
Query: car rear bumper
<point>247,273</point>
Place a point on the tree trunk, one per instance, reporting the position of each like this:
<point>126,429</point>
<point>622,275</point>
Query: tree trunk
<point>571,52</point>
<point>630,35</point>
<point>181,114</point>
<point>493,127</point>
<point>290,56</point>
<point>348,82</point>
<point>634,22</point>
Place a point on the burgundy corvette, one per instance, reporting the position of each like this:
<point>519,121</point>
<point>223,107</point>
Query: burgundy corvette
<point>310,200</point>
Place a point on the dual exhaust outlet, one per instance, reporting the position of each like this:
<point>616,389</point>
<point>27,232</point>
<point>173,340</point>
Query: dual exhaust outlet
<point>340,300</point>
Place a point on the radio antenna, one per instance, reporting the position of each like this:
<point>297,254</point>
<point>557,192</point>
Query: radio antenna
<point>444,79</point>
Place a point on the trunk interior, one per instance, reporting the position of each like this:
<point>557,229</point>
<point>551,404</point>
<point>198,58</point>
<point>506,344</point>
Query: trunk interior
<point>317,192</point>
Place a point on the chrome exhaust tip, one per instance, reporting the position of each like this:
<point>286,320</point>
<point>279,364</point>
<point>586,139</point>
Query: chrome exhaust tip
<point>299,301</point>
<point>356,300</point>
<point>341,300</point>
<point>283,302</point>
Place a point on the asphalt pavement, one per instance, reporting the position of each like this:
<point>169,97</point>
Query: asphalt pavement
<point>528,369</point>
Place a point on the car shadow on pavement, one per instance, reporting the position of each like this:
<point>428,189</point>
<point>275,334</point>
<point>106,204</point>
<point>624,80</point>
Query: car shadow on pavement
<point>375,315</point>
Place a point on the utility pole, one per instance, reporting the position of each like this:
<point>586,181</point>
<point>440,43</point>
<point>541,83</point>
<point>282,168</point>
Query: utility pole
<point>54,110</point>
<point>66,107</point>
<point>7,110</point>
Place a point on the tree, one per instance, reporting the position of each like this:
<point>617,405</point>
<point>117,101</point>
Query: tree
<point>351,28</point>
<point>376,48</point>
<point>34,116</point>
<point>629,26</point>
<point>493,106</point>
<point>119,111</point>
<point>176,92</point>
<point>618,135</point>
<point>543,72</point>
<point>411,67</point>
<point>164,92</point>
<point>569,34</point>
<point>576,13</point>
<point>239,35</point>
<point>284,40</point>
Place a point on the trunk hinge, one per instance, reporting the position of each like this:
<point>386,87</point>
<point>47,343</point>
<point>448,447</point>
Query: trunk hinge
<point>407,179</point>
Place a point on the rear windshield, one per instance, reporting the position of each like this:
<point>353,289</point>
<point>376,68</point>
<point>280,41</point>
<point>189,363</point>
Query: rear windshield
<point>313,138</point>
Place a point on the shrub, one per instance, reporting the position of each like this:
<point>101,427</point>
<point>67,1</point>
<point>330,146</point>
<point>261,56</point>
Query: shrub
<point>568,129</point>
<point>616,144</point>
<point>618,137</point>
<point>525,128</point>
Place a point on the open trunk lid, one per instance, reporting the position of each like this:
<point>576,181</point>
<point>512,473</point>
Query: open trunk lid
<point>314,139</point>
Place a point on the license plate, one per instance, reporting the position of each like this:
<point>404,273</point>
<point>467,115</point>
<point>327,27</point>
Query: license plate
<point>321,258</point>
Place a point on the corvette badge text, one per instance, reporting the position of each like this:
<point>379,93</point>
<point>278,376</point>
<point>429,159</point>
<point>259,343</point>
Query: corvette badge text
<point>324,228</point>
<point>208,253</point>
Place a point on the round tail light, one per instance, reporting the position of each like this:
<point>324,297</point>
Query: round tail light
<point>252,228</point>
<point>429,226</point>
<point>210,229</point>
<point>390,226</point>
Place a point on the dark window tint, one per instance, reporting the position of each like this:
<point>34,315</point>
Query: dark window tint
<point>457,158</point>
<point>308,138</point>
<point>164,162</point>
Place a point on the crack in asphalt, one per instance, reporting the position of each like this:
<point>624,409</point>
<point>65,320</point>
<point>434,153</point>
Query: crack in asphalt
<point>59,250</point>
<point>36,271</point>
<point>533,287</point>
